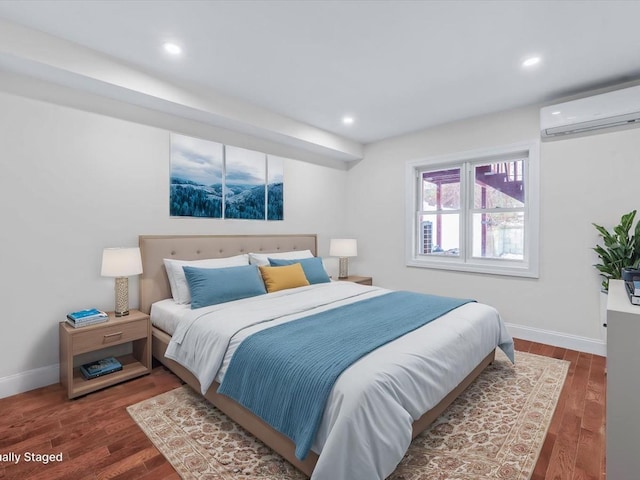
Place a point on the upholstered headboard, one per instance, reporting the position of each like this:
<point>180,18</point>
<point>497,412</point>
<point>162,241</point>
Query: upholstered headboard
<point>154,284</point>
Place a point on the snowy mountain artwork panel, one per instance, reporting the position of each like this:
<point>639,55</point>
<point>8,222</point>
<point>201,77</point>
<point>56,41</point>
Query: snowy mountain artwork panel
<point>212,180</point>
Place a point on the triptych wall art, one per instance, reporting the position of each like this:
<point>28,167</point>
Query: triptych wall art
<point>213,180</point>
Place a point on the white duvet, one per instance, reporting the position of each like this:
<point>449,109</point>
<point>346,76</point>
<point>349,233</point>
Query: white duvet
<point>366,426</point>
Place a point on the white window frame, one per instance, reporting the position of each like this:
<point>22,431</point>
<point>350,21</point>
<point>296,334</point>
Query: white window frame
<point>465,262</point>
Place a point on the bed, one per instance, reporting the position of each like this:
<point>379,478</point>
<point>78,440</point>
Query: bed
<point>369,441</point>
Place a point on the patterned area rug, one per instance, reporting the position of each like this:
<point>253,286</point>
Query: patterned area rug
<point>495,429</point>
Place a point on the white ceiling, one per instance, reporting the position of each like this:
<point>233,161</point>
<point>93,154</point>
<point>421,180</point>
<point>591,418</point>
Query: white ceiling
<point>396,66</point>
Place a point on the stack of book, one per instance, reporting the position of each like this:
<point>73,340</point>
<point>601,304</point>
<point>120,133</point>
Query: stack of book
<point>84,318</point>
<point>100,367</point>
<point>633,290</point>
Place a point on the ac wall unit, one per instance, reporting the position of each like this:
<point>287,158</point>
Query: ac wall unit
<point>611,109</point>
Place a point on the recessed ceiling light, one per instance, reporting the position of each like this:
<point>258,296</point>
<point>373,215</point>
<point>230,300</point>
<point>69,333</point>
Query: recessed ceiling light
<point>347,120</point>
<point>172,48</point>
<point>557,112</point>
<point>531,61</point>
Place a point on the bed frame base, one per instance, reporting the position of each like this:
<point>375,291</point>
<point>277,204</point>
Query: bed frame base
<point>272,438</point>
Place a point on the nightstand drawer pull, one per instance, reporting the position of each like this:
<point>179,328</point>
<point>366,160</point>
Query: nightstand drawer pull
<point>109,335</point>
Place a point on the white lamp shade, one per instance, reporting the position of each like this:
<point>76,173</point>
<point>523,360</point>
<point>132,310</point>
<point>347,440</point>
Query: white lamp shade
<point>121,262</point>
<point>343,247</point>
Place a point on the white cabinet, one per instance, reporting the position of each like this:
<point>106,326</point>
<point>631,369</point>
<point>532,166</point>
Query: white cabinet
<point>623,385</point>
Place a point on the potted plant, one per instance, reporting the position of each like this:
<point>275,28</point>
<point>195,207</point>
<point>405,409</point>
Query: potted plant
<point>621,249</point>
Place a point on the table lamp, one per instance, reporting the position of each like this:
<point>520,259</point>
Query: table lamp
<point>121,263</point>
<point>343,248</point>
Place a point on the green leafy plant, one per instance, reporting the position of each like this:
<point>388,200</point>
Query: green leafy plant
<point>621,249</point>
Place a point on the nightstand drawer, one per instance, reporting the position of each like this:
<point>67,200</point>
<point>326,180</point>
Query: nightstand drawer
<point>107,335</point>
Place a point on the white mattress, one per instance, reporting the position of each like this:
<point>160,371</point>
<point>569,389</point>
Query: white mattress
<point>167,314</point>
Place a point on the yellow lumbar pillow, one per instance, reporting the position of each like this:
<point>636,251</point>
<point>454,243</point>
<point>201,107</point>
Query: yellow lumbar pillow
<point>281,278</point>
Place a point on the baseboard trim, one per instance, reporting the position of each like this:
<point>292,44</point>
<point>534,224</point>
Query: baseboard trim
<point>558,339</point>
<point>25,381</point>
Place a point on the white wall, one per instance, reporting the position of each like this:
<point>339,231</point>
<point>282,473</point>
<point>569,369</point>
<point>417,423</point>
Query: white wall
<point>74,182</point>
<point>583,180</point>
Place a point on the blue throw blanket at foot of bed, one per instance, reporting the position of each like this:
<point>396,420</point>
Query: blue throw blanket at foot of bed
<point>285,373</point>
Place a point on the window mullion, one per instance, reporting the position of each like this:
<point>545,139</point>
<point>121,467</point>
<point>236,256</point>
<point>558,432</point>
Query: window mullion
<point>466,189</point>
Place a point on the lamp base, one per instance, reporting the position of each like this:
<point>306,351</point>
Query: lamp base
<point>343,271</point>
<point>122,297</point>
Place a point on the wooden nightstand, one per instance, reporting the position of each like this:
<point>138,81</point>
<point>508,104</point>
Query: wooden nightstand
<point>134,328</point>
<point>358,279</point>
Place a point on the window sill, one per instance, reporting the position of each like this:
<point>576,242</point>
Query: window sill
<point>489,269</point>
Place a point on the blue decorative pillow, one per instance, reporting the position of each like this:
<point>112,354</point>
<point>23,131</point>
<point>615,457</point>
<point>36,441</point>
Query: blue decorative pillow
<point>210,286</point>
<point>313,268</point>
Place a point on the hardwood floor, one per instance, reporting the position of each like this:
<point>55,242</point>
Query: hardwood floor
<point>99,440</point>
<point>575,445</point>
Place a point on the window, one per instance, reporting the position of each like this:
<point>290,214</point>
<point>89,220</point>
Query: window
<point>475,211</point>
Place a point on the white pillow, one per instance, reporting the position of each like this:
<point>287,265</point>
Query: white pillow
<point>178,280</point>
<point>262,259</point>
